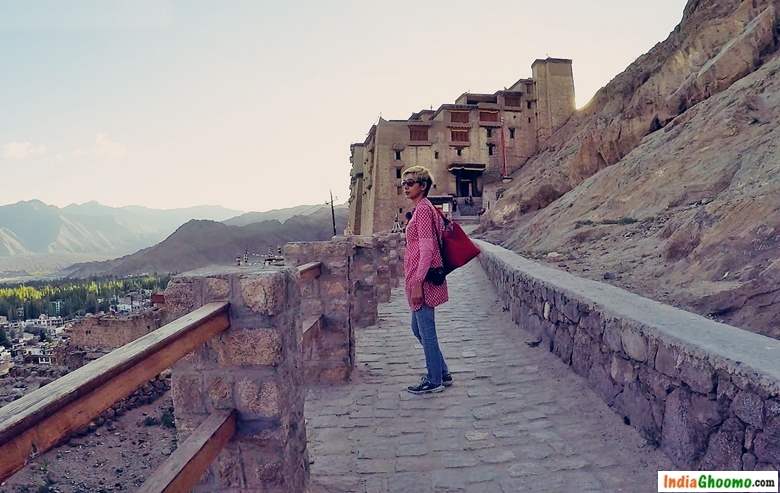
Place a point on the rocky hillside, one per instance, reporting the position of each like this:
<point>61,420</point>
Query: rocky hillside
<point>668,182</point>
<point>201,243</point>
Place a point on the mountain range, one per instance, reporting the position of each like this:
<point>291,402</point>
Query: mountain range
<point>38,240</point>
<point>198,243</point>
<point>33,227</point>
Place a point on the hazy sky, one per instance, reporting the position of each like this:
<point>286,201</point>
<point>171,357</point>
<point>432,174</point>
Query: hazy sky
<point>252,105</point>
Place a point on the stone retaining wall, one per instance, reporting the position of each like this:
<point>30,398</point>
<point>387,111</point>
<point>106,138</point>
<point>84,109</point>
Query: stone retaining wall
<point>334,355</point>
<point>357,273</point>
<point>707,393</point>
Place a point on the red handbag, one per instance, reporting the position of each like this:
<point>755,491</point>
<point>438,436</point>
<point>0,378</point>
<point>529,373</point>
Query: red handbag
<point>457,249</point>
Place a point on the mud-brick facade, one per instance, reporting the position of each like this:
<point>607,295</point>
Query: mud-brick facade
<point>468,144</point>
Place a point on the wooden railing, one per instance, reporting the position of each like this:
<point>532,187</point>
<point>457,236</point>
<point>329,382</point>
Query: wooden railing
<point>40,420</point>
<point>312,323</point>
<point>310,271</point>
<point>183,469</point>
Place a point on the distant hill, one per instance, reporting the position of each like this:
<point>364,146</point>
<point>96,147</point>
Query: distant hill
<point>34,228</point>
<point>280,215</point>
<point>199,243</point>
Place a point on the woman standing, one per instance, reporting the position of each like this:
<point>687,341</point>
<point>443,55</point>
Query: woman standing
<point>422,253</point>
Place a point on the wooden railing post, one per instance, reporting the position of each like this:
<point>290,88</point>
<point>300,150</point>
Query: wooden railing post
<point>254,367</point>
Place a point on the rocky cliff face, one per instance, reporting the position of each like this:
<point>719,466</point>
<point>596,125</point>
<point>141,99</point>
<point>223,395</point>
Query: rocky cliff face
<point>667,182</point>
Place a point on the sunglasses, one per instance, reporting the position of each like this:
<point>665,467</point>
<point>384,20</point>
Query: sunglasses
<point>409,183</point>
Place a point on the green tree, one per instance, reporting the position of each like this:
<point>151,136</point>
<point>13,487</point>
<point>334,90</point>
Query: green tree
<point>4,340</point>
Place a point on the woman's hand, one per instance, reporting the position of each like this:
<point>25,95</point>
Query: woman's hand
<point>417,294</point>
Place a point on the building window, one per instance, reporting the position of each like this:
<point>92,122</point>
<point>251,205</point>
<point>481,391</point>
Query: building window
<point>511,133</point>
<point>459,116</point>
<point>490,149</point>
<point>418,133</point>
<point>512,100</point>
<point>488,116</point>
<point>397,155</point>
<point>459,150</point>
<point>398,172</point>
<point>435,154</point>
<point>489,132</point>
<point>529,104</point>
<point>529,119</point>
<point>459,135</point>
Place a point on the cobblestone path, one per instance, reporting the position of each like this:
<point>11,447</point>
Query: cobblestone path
<point>515,420</point>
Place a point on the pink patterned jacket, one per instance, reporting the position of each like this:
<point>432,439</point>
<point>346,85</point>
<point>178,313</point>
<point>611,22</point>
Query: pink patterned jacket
<point>422,252</point>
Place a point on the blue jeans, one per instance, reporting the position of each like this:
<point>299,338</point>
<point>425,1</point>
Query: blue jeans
<point>424,329</point>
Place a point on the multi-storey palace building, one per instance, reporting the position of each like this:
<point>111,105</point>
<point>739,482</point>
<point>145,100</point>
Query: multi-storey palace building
<point>476,141</point>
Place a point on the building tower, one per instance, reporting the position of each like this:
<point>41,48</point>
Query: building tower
<point>554,85</point>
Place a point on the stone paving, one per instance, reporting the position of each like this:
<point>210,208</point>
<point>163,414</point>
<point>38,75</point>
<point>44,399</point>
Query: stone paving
<point>515,420</point>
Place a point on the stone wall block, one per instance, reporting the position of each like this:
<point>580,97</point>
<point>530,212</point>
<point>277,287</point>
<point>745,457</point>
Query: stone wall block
<point>634,344</point>
<point>571,310</point>
<point>771,408</point>
<point>266,295</point>
<point>748,462</point>
<point>749,408</point>
<point>187,392</point>
<point>219,390</point>
<point>563,344</point>
<point>635,406</point>
<point>599,379</point>
<point>725,391</point>
<point>249,347</point>
<point>582,352</point>
<point>750,435</point>
<point>622,371</point>
<point>227,468</point>
<point>724,450</point>
<point>215,289</point>
<point>256,400</point>
<point>593,323</point>
<point>697,374</point>
<point>766,445</point>
<point>680,437</point>
<point>612,335</point>
<point>182,295</point>
<point>707,413</point>
<point>263,468</point>
<point>666,361</point>
<point>659,384</point>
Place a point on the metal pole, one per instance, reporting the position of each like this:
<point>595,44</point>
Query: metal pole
<point>503,148</point>
<point>332,212</point>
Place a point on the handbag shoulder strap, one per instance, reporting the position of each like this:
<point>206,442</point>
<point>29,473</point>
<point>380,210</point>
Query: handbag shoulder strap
<point>439,231</point>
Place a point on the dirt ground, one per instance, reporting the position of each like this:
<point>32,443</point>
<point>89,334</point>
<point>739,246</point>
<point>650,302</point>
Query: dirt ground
<point>117,456</point>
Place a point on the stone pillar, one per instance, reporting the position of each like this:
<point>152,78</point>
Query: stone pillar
<point>395,258</point>
<point>383,267</point>
<point>368,287</point>
<point>334,356</point>
<point>254,367</point>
